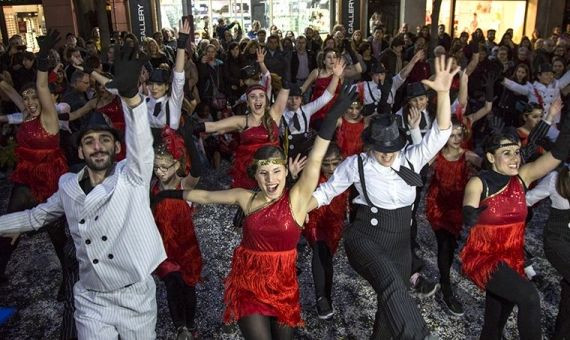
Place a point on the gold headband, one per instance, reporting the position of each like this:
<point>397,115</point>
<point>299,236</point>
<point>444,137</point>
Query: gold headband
<point>262,162</point>
<point>29,91</point>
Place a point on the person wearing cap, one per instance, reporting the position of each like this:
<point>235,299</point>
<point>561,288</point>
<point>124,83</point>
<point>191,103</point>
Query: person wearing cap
<point>377,244</point>
<point>107,208</point>
<point>295,131</point>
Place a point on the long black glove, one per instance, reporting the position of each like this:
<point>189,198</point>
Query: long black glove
<point>187,134</point>
<point>489,80</point>
<point>562,143</point>
<point>385,90</point>
<point>164,194</point>
<point>343,101</point>
<point>182,39</point>
<point>471,214</point>
<point>46,43</point>
<point>128,64</point>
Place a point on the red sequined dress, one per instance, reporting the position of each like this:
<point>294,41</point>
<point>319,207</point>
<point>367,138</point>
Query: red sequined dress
<point>250,140</point>
<point>444,200</point>
<point>348,137</point>
<point>40,160</point>
<point>114,110</point>
<point>327,222</point>
<point>174,221</point>
<point>498,236</point>
<point>263,277</point>
<point>319,88</point>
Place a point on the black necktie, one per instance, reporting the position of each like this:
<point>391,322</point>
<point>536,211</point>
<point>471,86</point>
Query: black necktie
<point>410,177</point>
<point>296,122</point>
<point>157,109</point>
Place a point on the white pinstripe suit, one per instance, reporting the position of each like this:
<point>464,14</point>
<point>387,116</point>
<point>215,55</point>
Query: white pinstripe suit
<point>115,236</point>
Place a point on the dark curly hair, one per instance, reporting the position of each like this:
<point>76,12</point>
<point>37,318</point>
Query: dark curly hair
<point>493,143</point>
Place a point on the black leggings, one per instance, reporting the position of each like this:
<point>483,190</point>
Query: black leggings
<point>505,289</point>
<point>21,198</point>
<point>181,299</point>
<point>259,327</point>
<point>446,245</point>
<point>322,267</point>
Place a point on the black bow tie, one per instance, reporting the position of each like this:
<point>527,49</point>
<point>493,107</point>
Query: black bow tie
<point>157,109</point>
<point>296,122</point>
<point>410,177</point>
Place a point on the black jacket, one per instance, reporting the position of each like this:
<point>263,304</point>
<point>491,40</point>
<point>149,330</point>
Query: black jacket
<point>295,63</point>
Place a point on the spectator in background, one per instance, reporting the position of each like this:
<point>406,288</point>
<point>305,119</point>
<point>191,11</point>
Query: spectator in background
<point>314,41</point>
<point>276,60</point>
<point>377,42</point>
<point>490,42</point>
<point>303,61</point>
<point>261,36</point>
<point>443,38</point>
<point>255,27</point>
<point>392,57</point>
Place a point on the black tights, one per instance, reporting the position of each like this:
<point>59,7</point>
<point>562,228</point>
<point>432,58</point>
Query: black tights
<point>505,289</point>
<point>21,198</point>
<point>322,268</point>
<point>446,245</point>
<point>181,299</point>
<point>259,327</point>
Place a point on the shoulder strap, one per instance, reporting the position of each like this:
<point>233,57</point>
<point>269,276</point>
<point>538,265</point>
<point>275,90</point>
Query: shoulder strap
<point>168,112</point>
<point>362,181</point>
<point>370,92</point>
<point>304,119</point>
<point>246,121</point>
<point>250,202</point>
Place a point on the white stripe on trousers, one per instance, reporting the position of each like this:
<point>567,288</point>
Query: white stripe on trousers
<point>128,313</point>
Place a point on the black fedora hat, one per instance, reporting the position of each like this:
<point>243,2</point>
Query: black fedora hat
<point>159,76</point>
<point>383,134</point>
<point>377,68</point>
<point>295,91</point>
<point>546,67</point>
<point>415,90</point>
<point>96,122</point>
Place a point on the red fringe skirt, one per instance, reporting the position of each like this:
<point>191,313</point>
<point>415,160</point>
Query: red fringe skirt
<point>265,283</point>
<point>39,170</point>
<point>487,246</point>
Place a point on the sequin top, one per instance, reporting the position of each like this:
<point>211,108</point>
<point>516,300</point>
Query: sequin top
<point>32,134</point>
<point>506,206</point>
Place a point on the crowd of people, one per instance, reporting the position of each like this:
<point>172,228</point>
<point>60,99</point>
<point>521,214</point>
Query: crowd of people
<point>330,139</point>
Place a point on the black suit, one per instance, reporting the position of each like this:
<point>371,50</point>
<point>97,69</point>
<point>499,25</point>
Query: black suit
<point>312,63</point>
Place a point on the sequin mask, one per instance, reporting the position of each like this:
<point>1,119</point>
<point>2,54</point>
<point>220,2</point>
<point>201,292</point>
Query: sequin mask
<point>262,162</point>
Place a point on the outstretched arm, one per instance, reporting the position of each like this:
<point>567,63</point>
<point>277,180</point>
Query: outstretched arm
<point>49,118</point>
<point>14,96</point>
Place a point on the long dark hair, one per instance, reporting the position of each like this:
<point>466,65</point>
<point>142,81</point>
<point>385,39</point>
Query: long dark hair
<point>563,182</point>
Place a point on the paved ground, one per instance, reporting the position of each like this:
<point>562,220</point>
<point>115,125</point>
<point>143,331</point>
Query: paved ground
<point>35,277</point>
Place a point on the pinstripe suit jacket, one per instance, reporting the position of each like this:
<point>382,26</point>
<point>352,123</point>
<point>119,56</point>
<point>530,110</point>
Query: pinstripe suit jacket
<point>114,232</point>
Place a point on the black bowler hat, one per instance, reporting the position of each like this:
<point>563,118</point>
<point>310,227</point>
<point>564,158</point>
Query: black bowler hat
<point>383,134</point>
<point>159,76</point>
<point>96,122</point>
<point>377,68</point>
<point>546,67</point>
<point>295,91</point>
<point>247,72</point>
<point>415,90</point>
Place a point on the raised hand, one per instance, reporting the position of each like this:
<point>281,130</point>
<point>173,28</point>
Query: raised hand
<point>496,124</point>
<point>128,64</point>
<point>183,33</point>
<point>443,75</point>
<point>418,56</point>
<point>555,109</point>
<point>47,42</point>
<point>261,52</point>
<point>414,118</point>
<point>346,97</point>
<point>338,67</point>
<point>296,165</point>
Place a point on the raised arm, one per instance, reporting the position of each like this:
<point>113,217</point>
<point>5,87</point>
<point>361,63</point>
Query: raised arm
<point>463,89</point>
<point>405,71</point>
<point>178,78</point>
<point>233,123</point>
<point>14,96</point>
<point>183,34</point>
<point>48,117</point>
<point>82,111</point>
<point>310,79</point>
<point>441,84</point>
<point>472,64</point>
<point>516,87</point>
<point>190,181</point>
<point>302,191</point>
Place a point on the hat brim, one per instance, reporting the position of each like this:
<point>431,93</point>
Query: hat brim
<point>392,146</point>
<point>116,133</point>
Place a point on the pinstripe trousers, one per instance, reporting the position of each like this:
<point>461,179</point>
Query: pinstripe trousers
<point>377,246</point>
<point>128,313</point>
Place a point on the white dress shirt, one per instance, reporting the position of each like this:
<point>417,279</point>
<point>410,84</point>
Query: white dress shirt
<point>174,102</point>
<point>385,187</point>
<point>113,229</point>
<point>308,109</point>
<point>547,188</point>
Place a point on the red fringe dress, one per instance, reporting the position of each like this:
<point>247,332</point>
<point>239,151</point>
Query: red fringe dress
<point>263,277</point>
<point>319,88</point>
<point>174,221</point>
<point>348,137</point>
<point>327,223</point>
<point>444,200</point>
<point>114,110</point>
<point>498,236</point>
<point>40,160</point>
<point>250,140</point>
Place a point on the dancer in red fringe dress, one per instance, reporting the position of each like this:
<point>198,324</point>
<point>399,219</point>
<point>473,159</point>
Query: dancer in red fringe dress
<point>262,292</point>
<point>349,129</point>
<point>451,171</point>
<point>181,270</point>
<point>323,231</point>
<point>493,256</point>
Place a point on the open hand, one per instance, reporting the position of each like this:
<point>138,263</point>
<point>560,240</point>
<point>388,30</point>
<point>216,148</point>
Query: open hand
<point>261,52</point>
<point>414,118</point>
<point>443,75</point>
<point>128,64</point>
<point>48,42</point>
<point>338,67</point>
<point>297,165</point>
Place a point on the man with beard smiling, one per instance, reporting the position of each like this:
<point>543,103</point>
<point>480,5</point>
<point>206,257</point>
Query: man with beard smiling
<point>107,208</point>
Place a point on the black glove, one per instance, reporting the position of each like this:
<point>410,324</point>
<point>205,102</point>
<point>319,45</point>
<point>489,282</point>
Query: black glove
<point>471,214</point>
<point>496,124</point>
<point>127,67</point>
<point>187,132</point>
<point>46,43</point>
<point>489,80</point>
<point>343,101</point>
<point>198,128</point>
<point>285,84</point>
<point>164,194</point>
<point>562,144</point>
<point>182,39</point>
<point>87,69</point>
<point>385,89</point>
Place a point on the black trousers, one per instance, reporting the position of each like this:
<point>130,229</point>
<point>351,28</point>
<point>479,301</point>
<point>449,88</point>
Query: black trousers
<point>446,245</point>
<point>181,300</point>
<point>322,268</point>
<point>557,251</point>
<point>377,245</point>
<point>417,262</point>
<point>505,289</point>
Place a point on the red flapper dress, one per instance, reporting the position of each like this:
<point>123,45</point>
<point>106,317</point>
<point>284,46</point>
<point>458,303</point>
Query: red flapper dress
<point>114,110</point>
<point>263,278</point>
<point>498,236</point>
<point>327,223</point>
<point>444,200</point>
<point>40,160</point>
<point>348,137</point>
<point>174,221</point>
<point>250,140</point>
<point>319,88</point>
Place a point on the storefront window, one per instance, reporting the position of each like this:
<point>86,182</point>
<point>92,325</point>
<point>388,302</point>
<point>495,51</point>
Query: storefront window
<point>27,21</point>
<point>444,14</point>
